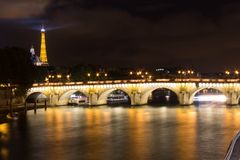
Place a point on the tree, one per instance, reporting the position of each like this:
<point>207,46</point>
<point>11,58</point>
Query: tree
<point>17,72</point>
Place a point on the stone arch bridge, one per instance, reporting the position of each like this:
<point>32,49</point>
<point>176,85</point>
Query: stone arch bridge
<point>138,90</point>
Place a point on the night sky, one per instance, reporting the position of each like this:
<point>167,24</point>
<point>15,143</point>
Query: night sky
<point>203,34</point>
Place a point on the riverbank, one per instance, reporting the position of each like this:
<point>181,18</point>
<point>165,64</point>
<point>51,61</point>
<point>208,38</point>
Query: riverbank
<point>19,108</point>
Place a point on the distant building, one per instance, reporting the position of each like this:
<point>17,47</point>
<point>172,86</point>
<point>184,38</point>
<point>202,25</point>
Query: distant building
<point>35,59</point>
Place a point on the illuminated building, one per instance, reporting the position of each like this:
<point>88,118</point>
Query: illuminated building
<point>34,57</point>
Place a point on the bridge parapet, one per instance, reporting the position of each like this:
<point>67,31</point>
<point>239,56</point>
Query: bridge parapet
<point>175,80</point>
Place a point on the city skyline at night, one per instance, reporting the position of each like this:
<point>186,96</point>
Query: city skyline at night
<point>119,79</point>
<point>195,34</point>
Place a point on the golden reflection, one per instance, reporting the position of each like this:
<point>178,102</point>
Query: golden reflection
<point>49,116</point>
<point>97,116</point>
<point>231,119</point>
<point>4,136</point>
<point>89,116</point>
<point>68,117</point>
<point>4,154</point>
<point>59,125</point>
<point>186,133</point>
<point>56,119</point>
<point>139,136</point>
<point>106,117</point>
<point>4,129</point>
<point>95,132</point>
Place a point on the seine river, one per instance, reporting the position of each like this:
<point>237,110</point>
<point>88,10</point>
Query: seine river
<point>105,133</point>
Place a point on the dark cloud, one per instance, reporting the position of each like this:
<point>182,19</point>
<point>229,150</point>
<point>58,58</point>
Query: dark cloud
<point>196,33</point>
<point>14,9</point>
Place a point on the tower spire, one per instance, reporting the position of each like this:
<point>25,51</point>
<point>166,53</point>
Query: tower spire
<point>43,51</point>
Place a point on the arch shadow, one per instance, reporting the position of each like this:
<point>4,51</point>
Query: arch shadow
<point>148,93</point>
<point>36,97</point>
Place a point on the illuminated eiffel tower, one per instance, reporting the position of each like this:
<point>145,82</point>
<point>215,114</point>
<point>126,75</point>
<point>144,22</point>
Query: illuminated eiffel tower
<point>43,50</point>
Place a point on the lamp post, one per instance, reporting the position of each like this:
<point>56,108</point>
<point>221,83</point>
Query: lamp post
<point>68,77</point>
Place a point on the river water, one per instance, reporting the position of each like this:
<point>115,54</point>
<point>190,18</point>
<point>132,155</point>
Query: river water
<point>105,133</point>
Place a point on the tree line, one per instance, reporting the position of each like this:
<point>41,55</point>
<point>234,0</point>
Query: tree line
<point>17,72</point>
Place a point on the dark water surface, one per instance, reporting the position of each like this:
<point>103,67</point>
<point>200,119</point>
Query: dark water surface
<point>104,133</point>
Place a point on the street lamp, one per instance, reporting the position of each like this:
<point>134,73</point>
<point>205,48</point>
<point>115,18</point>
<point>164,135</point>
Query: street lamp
<point>46,79</point>
<point>236,72</point>
<point>59,76</point>
<point>68,77</point>
<point>227,72</point>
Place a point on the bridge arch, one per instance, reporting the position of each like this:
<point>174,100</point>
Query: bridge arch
<point>63,99</point>
<point>222,91</point>
<point>102,99</point>
<point>145,96</point>
<point>36,97</point>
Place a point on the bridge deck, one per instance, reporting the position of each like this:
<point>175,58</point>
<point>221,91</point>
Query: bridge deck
<point>163,80</point>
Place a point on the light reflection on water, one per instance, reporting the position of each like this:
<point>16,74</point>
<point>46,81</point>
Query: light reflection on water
<point>62,133</point>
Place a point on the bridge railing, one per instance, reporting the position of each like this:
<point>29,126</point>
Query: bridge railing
<point>195,80</point>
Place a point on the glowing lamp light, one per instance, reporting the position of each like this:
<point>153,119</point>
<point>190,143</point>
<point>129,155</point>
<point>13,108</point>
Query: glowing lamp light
<point>59,76</point>
<point>43,30</point>
<point>236,72</point>
<point>227,72</point>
